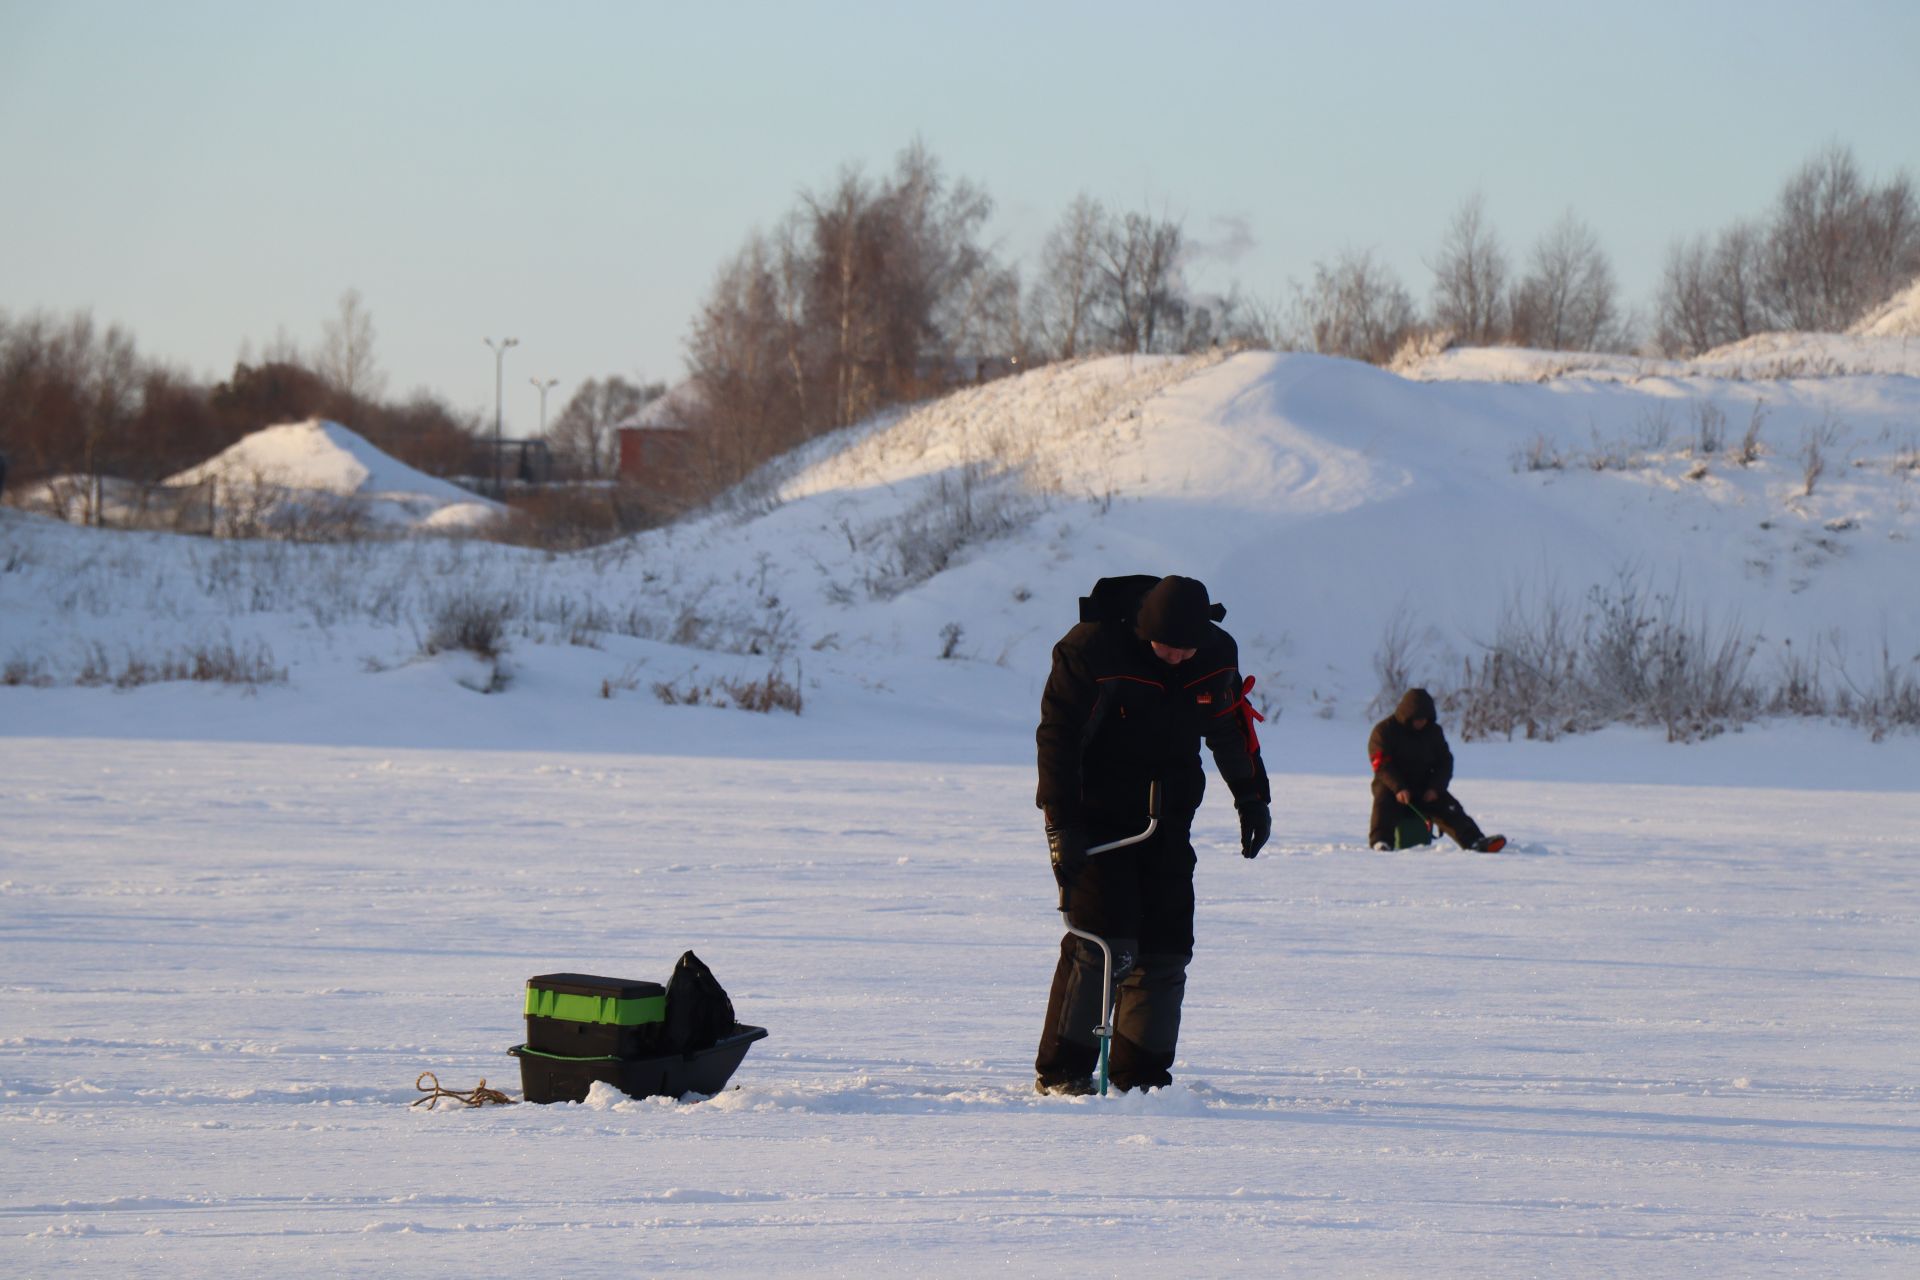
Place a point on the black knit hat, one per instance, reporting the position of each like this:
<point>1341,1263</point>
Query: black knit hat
<point>1175,613</point>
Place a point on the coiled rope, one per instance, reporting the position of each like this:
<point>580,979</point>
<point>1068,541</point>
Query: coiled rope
<point>478,1096</point>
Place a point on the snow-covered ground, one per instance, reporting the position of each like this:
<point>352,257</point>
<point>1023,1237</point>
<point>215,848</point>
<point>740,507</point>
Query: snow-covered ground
<point>1670,1032</point>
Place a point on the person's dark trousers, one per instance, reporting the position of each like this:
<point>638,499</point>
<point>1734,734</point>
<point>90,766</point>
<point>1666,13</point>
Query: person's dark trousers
<point>1140,899</point>
<point>1445,813</point>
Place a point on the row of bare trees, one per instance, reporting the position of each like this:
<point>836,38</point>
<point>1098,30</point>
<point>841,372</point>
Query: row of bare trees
<point>1112,281</point>
<point>1834,246</point>
<point>1566,299</point>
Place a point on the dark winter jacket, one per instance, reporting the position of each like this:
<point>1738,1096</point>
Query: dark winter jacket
<point>1409,759</point>
<point>1115,718</point>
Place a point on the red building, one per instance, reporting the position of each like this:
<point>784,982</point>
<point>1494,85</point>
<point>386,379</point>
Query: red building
<point>651,456</point>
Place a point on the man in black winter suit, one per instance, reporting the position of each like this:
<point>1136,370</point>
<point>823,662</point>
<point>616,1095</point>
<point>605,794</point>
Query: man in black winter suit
<point>1135,688</point>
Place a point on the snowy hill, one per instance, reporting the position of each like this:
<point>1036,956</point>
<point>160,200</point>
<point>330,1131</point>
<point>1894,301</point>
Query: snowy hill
<point>1764,357</point>
<point>1329,503</point>
<point>322,470</point>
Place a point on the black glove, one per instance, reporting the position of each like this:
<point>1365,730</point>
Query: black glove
<point>1256,824</point>
<point>1067,846</point>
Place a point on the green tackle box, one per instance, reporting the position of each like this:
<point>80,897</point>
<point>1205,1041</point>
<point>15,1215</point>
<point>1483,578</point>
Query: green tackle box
<point>577,1015</point>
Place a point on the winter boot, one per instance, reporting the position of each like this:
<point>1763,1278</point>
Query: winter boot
<point>1068,1087</point>
<point>1147,1022</point>
<point>1488,844</point>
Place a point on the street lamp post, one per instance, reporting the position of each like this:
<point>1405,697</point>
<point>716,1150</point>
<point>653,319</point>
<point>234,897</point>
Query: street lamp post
<point>543,385</point>
<point>499,362</point>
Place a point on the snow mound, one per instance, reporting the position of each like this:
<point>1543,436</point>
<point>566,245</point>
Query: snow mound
<point>317,469</point>
<point>1878,347</point>
<point>472,513</point>
<point>1898,317</point>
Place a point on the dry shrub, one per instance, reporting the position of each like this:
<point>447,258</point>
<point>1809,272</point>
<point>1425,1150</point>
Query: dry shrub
<point>470,621</point>
<point>221,663</point>
<point>772,692</point>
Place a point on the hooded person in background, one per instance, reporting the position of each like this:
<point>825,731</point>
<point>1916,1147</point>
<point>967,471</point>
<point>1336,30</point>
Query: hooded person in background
<point>1412,769</point>
<point>1135,688</point>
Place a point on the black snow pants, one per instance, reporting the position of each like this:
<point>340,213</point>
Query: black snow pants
<point>1444,812</point>
<point>1140,899</point>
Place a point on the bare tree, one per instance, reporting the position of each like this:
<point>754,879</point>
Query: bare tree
<point>1813,246</point>
<point>1064,296</point>
<point>1568,300</point>
<point>1162,281</point>
<point>1893,239</point>
<point>1686,309</point>
<point>1470,277</point>
<point>843,297</point>
<point>938,272</point>
<point>787,268</point>
<point>990,319</point>
<point>102,372</point>
<point>1711,295</point>
<point>1142,294</point>
<point>1738,266</point>
<point>110,381</point>
<point>346,351</point>
<point>739,357</point>
<point>1117,262</point>
<point>1357,307</point>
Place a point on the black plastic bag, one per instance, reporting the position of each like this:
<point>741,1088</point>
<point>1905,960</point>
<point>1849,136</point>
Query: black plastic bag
<point>698,1010</point>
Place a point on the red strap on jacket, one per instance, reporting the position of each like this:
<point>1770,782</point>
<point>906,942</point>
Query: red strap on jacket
<point>1247,716</point>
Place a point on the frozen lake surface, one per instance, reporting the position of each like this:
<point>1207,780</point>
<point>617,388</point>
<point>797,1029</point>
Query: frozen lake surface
<point>1671,1031</point>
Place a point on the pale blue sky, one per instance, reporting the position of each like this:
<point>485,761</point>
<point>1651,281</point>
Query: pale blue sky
<point>210,174</point>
